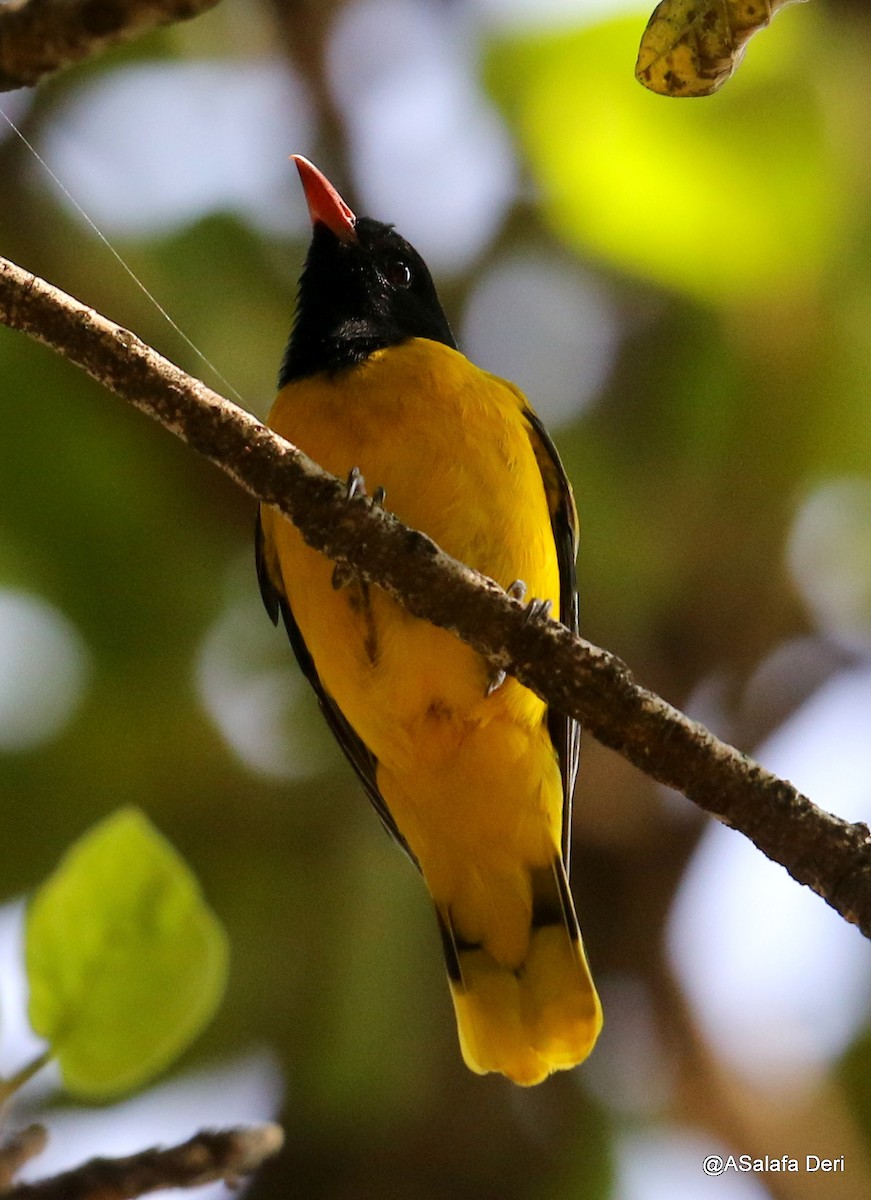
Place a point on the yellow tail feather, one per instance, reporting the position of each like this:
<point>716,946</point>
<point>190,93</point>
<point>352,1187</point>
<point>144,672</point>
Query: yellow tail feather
<point>529,1020</point>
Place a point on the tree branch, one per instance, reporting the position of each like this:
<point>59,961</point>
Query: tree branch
<point>831,856</point>
<point>39,37</point>
<point>19,1149</point>
<point>207,1157</point>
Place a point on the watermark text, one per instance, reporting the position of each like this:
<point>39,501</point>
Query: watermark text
<point>747,1164</point>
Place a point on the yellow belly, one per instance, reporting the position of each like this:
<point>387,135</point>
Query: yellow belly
<point>451,447</point>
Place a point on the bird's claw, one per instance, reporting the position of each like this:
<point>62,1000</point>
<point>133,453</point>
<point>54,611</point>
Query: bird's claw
<point>355,485</point>
<point>495,682</point>
<point>537,610</point>
<point>343,574</point>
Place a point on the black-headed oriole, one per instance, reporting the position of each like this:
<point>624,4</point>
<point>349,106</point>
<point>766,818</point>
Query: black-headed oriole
<point>470,772</point>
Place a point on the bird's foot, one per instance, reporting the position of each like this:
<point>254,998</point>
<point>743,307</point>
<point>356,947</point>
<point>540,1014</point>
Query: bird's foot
<point>355,485</point>
<point>537,610</point>
<point>343,575</point>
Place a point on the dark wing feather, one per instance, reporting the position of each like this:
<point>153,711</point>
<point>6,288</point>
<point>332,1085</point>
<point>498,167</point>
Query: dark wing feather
<point>357,753</point>
<point>565,731</point>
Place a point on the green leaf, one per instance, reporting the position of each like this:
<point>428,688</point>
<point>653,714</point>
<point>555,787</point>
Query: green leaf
<point>126,962</point>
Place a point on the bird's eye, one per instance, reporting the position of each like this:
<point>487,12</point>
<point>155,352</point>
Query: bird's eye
<point>399,274</point>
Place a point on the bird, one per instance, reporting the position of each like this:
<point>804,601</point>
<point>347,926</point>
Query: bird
<point>470,771</point>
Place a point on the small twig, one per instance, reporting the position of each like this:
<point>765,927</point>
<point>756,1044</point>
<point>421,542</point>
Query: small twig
<point>19,1149</point>
<point>830,855</point>
<point>211,1155</point>
<point>39,37</point>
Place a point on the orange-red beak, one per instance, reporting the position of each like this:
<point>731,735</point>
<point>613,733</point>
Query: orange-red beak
<point>324,202</point>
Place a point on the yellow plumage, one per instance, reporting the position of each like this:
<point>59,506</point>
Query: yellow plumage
<point>470,779</point>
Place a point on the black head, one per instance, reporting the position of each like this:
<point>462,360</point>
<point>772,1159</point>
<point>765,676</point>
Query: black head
<point>363,288</point>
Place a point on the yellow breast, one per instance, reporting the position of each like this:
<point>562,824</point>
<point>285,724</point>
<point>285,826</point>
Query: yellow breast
<point>451,446</point>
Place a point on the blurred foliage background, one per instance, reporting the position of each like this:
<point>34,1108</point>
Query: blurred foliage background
<point>683,289</point>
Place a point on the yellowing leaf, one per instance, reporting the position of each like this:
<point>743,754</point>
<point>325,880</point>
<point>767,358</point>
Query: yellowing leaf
<point>126,962</point>
<point>691,47</point>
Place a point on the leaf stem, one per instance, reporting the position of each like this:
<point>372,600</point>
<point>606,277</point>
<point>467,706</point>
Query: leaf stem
<point>8,1087</point>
